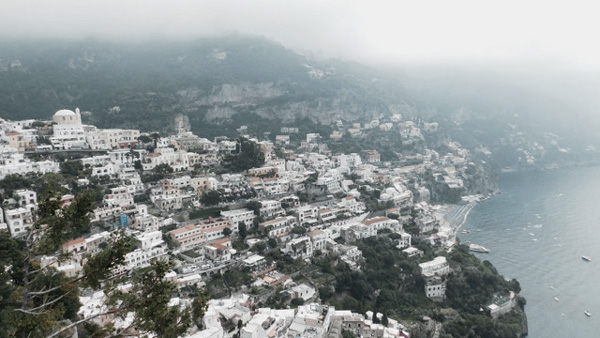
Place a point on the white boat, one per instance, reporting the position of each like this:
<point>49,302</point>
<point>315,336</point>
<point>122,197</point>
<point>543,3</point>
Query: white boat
<point>478,248</point>
<point>587,313</point>
<point>586,258</point>
<point>556,299</point>
<point>531,234</point>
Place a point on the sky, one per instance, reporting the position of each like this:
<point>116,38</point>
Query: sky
<point>375,30</point>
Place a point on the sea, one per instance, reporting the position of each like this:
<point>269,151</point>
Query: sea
<point>537,230</point>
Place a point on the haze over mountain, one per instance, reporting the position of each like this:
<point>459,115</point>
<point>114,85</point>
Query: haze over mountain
<point>239,80</point>
<point>510,75</point>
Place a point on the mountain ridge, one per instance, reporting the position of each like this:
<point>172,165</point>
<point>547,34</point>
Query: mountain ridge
<point>224,83</point>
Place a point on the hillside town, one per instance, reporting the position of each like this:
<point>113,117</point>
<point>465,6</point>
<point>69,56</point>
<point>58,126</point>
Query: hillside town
<point>259,209</point>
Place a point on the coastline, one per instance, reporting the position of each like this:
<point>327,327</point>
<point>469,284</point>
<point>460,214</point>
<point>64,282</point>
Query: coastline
<point>455,215</point>
<point>553,166</point>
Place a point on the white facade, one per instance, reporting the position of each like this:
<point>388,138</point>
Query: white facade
<point>14,163</point>
<point>18,220</point>
<point>27,198</point>
<point>270,208</point>
<point>278,227</point>
<point>68,132</point>
<point>438,266</point>
<point>299,247</point>
<point>435,288</point>
<point>111,138</point>
<point>235,217</point>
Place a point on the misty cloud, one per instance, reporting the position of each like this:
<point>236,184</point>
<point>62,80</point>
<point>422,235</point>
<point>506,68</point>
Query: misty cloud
<point>374,30</point>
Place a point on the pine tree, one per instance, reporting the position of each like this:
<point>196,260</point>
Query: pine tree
<point>38,301</point>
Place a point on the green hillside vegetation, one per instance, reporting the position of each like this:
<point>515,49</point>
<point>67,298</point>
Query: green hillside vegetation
<point>391,283</point>
<point>226,82</point>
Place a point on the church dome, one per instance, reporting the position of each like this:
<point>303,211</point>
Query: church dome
<point>65,116</point>
<point>64,112</point>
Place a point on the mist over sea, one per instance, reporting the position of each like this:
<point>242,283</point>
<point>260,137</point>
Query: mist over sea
<point>537,229</point>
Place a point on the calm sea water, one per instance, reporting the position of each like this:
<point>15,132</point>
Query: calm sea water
<point>537,229</point>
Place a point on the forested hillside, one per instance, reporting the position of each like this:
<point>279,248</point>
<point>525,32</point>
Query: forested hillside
<point>523,118</point>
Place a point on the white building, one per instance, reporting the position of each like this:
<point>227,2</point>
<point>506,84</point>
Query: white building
<point>299,247</point>
<point>278,227</point>
<point>178,160</point>
<point>307,214</point>
<point>14,163</point>
<point>438,266</point>
<point>235,217</point>
<point>26,198</point>
<point>68,132</point>
<point>150,246</point>
<point>18,220</point>
<point>271,208</point>
<point>319,239</point>
<point>435,288</point>
<point>111,138</point>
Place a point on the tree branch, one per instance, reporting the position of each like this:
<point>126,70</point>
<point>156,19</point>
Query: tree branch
<point>81,321</point>
<point>45,304</point>
<point>43,292</point>
<point>29,312</point>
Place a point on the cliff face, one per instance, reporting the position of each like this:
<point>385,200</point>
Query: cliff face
<point>524,326</point>
<point>240,80</point>
<point>228,94</point>
<point>224,77</point>
<point>479,180</point>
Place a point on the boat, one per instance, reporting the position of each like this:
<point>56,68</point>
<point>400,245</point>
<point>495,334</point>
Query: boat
<point>531,234</point>
<point>478,248</point>
<point>465,231</point>
<point>586,258</point>
<point>556,299</point>
<point>587,313</point>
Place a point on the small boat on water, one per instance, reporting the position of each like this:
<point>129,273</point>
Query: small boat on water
<point>587,313</point>
<point>586,258</point>
<point>531,234</point>
<point>478,248</point>
<point>556,299</point>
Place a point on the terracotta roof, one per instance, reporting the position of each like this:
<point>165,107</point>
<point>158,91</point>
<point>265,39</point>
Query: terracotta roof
<point>263,271</point>
<point>75,241</point>
<point>316,233</point>
<point>273,221</point>
<point>283,234</point>
<point>222,241</point>
<point>219,228</point>
<point>186,228</point>
<point>283,279</point>
<point>218,246</point>
<point>376,220</point>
